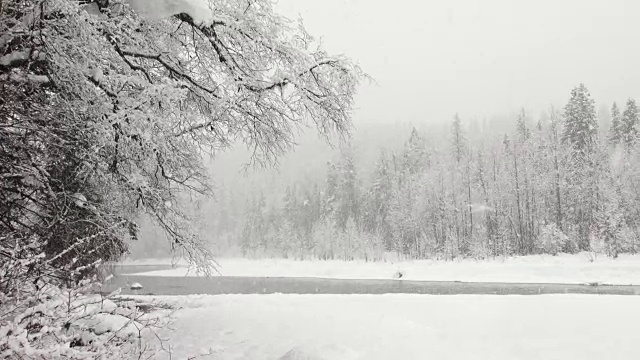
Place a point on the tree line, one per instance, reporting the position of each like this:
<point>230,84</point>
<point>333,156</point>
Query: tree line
<point>557,184</point>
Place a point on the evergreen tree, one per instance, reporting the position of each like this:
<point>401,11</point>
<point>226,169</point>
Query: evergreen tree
<point>615,129</point>
<point>415,154</point>
<point>581,126</point>
<point>629,123</point>
<point>459,142</point>
<point>506,143</point>
<point>580,132</point>
<point>521,127</point>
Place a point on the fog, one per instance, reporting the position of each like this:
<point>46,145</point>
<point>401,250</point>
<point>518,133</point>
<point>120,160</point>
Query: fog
<point>431,59</point>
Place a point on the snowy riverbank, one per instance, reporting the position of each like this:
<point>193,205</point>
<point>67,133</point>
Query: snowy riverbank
<point>564,268</point>
<point>406,327</point>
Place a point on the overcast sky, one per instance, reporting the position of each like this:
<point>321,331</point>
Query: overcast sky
<point>432,59</point>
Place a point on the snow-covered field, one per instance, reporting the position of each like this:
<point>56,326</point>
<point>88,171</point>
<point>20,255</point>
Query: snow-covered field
<point>370,327</point>
<point>405,326</point>
<point>563,268</point>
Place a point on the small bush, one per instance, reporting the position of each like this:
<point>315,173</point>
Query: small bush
<point>553,241</point>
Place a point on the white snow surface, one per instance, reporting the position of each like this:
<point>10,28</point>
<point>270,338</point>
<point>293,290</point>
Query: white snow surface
<point>401,326</point>
<point>117,324</point>
<point>152,262</point>
<point>564,268</point>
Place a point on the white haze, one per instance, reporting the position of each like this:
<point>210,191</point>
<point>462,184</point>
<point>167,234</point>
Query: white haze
<point>432,59</point>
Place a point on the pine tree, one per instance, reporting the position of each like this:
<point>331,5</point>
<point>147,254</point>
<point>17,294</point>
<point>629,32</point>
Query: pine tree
<point>580,133</point>
<point>415,154</point>
<point>629,123</point>
<point>524,133</point>
<point>615,129</point>
<point>581,125</point>
<point>506,143</point>
<point>348,188</point>
<point>459,142</point>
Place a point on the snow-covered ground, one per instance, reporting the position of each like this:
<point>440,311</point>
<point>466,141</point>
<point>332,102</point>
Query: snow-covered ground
<point>574,269</point>
<point>153,262</point>
<point>336,327</point>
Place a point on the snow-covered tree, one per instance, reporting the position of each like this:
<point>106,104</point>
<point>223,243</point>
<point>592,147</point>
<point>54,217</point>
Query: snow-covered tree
<point>580,121</point>
<point>522,128</point>
<point>325,237</point>
<point>348,188</point>
<point>615,132</point>
<point>110,106</point>
<point>552,240</point>
<point>458,139</point>
<point>629,124</point>
<point>376,202</point>
<point>127,104</point>
<point>415,155</point>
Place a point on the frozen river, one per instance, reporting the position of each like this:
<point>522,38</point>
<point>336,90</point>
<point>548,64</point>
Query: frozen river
<point>217,285</point>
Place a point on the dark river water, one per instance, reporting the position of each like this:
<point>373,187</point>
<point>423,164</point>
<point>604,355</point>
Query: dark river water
<point>217,285</point>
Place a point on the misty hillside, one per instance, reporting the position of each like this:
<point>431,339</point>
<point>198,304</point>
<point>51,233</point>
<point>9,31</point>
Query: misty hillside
<point>474,187</point>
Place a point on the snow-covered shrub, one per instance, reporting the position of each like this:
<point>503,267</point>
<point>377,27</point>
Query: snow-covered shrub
<point>612,244</point>
<point>286,240</point>
<point>50,312</point>
<point>552,240</point>
<point>49,322</point>
<point>451,250</point>
<point>628,240</point>
<point>479,250</point>
<point>353,241</point>
<point>608,235</point>
<point>597,246</point>
<point>479,246</point>
<point>373,246</point>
